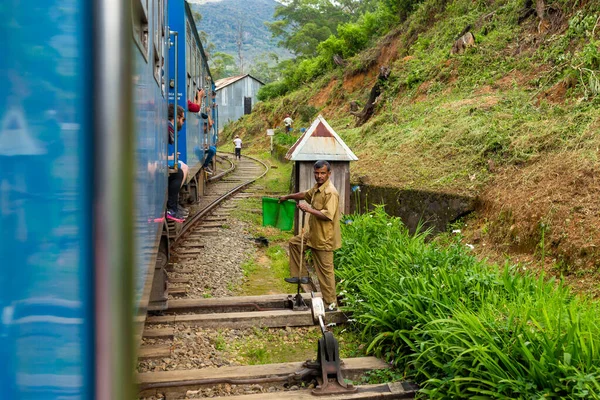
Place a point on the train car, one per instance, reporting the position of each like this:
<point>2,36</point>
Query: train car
<point>83,155</point>
<point>189,73</point>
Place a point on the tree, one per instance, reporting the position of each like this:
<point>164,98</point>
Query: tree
<point>207,45</point>
<point>267,69</point>
<point>239,40</point>
<point>303,24</point>
<point>223,65</point>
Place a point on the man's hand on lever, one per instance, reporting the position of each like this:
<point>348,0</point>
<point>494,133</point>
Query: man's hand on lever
<point>304,207</point>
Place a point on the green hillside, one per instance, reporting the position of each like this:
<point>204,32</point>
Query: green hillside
<point>220,20</point>
<point>512,120</point>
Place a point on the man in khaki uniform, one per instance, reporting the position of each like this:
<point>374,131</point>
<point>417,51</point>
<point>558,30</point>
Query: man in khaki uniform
<point>323,236</point>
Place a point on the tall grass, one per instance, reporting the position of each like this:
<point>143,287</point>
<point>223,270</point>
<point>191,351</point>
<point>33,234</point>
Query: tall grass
<point>460,327</point>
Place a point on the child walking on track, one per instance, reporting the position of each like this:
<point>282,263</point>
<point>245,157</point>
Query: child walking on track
<point>238,147</point>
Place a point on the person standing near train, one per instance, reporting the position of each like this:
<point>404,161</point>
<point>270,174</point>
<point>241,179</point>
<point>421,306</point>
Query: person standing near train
<point>237,142</point>
<point>323,236</point>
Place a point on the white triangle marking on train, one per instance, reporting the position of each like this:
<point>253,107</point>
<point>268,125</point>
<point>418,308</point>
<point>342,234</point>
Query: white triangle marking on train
<point>15,137</point>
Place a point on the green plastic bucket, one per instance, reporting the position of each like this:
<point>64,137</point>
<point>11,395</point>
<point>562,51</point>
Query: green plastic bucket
<point>280,215</point>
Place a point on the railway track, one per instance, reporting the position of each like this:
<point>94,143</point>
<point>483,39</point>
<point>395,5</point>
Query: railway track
<point>179,357</point>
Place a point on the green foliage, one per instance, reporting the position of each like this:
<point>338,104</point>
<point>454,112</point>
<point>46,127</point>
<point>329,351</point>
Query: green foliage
<point>307,38</point>
<point>303,24</point>
<point>223,65</point>
<point>272,90</point>
<point>462,328</point>
<point>354,37</point>
<point>268,69</point>
<point>318,30</point>
<point>220,20</point>
<point>307,113</point>
<point>283,139</point>
<point>402,8</point>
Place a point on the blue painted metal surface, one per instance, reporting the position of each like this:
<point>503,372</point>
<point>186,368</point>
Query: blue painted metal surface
<point>46,274</point>
<point>177,24</point>
<point>47,332</point>
<point>193,74</point>
<point>151,137</point>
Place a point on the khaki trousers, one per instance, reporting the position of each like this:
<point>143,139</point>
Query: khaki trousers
<point>323,260</point>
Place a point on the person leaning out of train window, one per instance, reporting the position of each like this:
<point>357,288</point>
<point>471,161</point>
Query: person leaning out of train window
<point>180,121</point>
<point>196,105</point>
<point>209,152</point>
<point>209,117</point>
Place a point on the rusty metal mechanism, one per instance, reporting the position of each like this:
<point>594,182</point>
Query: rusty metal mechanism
<point>296,302</point>
<point>328,364</point>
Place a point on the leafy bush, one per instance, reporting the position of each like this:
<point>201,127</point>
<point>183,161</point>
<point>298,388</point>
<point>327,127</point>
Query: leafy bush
<point>354,36</point>
<point>461,328</point>
<point>272,90</point>
<point>284,139</point>
<point>307,112</point>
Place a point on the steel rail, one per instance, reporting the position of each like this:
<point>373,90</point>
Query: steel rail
<point>199,215</point>
<point>222,174</point>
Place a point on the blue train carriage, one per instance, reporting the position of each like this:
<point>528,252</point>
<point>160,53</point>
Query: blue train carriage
<point>83,155</point>
<point>151,38</point>
<point>190,73</point>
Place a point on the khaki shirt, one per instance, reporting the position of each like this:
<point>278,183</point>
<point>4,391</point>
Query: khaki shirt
<point>324,234</point>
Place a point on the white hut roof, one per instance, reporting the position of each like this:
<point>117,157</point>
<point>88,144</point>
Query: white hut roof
<point>320,142</point>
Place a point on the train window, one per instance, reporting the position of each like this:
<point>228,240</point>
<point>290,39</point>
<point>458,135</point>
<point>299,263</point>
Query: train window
<point>199,68</point>
<point>158,22</point>
<point>139,15</point>
<point>157,67</point>
<point>162,43</point>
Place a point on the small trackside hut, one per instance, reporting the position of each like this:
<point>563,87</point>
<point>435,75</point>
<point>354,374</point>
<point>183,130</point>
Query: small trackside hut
<point>321,142</point>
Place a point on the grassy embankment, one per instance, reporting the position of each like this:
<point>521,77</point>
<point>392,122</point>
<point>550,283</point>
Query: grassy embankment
<point>513,120</point>
<point>461,328</point>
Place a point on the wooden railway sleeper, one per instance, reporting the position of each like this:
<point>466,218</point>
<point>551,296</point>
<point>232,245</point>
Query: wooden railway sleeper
<point>291,379</point>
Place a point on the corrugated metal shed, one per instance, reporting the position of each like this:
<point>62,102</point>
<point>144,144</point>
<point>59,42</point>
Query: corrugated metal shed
<point>320,142</point>
<point>236,96</point>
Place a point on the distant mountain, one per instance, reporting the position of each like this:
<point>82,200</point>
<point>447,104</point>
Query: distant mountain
<point>220,20</point>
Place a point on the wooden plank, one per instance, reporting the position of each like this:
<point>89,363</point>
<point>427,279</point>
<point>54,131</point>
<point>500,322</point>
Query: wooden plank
<point>263,319</point>
<point>202,233</point>
<point>184,252</point>
<point>354,365</point>
<point>363,392</point>
<point>161,319</point>
<point>215,219</point>
<point>166,333</point>
<point>177,290</point>
<point>210,225</point>
<point>193,245</point>
<point>181,270</point>
<point>179,280</point>
<point>147,352</point>
<point>266,301</point>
